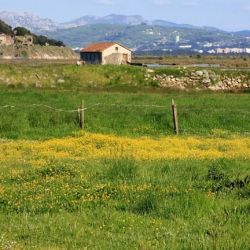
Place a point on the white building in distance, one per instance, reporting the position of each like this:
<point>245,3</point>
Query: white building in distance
<point>106,53</point>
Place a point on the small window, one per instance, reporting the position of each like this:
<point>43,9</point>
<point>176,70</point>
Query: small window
<point>116,48</point>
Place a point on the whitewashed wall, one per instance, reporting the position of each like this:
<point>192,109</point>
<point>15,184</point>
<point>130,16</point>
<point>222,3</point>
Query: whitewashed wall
<point>114,56</point>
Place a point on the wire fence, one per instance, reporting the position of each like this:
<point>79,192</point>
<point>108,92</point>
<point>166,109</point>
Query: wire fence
<point>121,105</point>
<point>184,111</point>
<point>87,108</point>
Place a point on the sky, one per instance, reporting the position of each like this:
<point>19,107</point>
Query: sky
<point>230,15</point>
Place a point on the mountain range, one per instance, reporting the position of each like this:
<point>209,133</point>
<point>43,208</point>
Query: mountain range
<point>40,25</point>
<point>29,21</point>
<point>132,30</point>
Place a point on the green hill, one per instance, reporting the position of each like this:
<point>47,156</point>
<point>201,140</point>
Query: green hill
<point>141,36</point>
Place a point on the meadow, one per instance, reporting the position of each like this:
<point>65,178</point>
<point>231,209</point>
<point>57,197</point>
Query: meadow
<point>125,204</point>
<point>121,113</point>
<point>62,76</point>
<point>126,181</point>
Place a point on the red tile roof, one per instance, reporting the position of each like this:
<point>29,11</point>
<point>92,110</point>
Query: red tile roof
<point>99,47</point>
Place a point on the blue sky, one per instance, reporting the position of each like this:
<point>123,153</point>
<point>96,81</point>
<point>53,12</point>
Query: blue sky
<point>225,14</point>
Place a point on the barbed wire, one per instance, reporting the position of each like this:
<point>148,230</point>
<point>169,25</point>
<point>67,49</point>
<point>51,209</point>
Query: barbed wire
<point>79,109</point>
<point>44,106</point>
<point>181,109</point>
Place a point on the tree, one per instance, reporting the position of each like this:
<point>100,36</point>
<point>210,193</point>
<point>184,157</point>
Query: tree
<point>6,29</point>
<point>21,31</point>
<point>43,40</point>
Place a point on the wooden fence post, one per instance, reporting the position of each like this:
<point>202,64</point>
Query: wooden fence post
<point>82,115</point>
<point>175,117</point>
<point>79,116</point>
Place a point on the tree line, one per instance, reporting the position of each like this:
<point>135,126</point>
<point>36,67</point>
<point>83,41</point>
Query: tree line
<point>21,31</point>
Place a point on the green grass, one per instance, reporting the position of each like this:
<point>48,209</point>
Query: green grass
<point>202,113</point>
<point>123,204</point>
<point>71,76</point>
<point>120,203</point>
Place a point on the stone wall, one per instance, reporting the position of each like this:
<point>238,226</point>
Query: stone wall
<point>6,40</point>
<point>202,79</point>
<point>115,58</point>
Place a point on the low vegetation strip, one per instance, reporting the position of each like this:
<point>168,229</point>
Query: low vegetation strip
<point>98,76</point>
<point>96,146</point>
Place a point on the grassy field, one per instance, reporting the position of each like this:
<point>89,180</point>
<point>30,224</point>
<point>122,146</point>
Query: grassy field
<point>37,74</point>
<point>129,114</point>
<point>125,204</point>
<point>126,181</point>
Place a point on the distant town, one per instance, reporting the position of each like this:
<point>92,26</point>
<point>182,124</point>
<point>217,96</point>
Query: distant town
<point>177,45</point>
<point>214,48</point>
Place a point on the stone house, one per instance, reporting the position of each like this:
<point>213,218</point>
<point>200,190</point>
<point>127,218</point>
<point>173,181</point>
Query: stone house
<point>5,39</point>
<point>24,40</point>
<point>106,53</point>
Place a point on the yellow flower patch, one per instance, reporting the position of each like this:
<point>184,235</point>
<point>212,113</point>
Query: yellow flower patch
<point>89,146</point>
